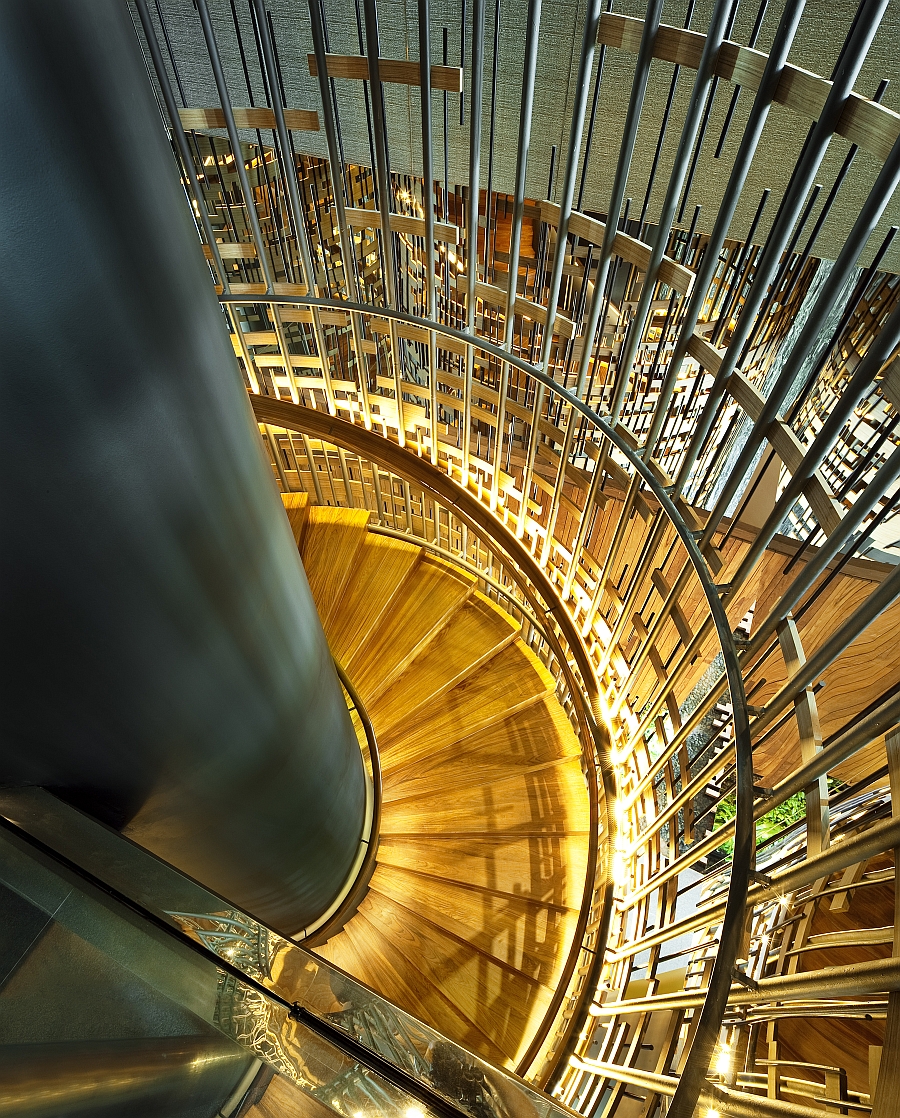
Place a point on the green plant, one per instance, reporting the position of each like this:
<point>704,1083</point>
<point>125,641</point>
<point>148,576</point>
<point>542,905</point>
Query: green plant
<point>792,810</point>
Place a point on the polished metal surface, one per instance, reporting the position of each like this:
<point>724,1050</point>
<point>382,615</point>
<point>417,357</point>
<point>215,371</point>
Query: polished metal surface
<point>164,664</point>
<point>179,1077</point>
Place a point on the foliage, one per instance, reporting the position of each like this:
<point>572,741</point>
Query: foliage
<point>783,815</point>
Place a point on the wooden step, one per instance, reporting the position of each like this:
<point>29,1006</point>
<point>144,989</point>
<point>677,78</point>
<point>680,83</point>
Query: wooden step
<point>331,542</point>
<point>380,567</point>
<point>296,506</point>
<point>366,951</point>
<point>535,735</point>
<point>422,604</point>
<point>470,913</point>
<point>551,872</point>
<point>472,634</point>
<point>545,802</point>
<point>503,1004</point>
<point>522,934</point>
<point>506,681</point>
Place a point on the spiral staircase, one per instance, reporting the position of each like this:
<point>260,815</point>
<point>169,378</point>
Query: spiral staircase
<point>592,507</point>
<point>472,907</point>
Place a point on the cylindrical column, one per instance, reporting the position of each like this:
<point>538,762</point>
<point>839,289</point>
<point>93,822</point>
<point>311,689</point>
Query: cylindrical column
<point>164,666</point>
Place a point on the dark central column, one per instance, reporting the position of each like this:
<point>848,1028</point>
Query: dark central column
<point>164,666</point>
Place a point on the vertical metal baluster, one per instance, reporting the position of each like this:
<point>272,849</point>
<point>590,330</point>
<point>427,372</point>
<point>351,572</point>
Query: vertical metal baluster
<point>582,88</point>
<point>348,250</point>
<point>853,56</point>
<point>475,110</point>
<point>626,151</point>
<point>297,214</point>
<point>673,85</point>
<point>428,174</point>
<point>810,338</point>
<point>249,200</point>
<point>385,199</point>
<point>489,206</point>
<point>765,95</point>
<point>515,238</point>
<point>702,86</point>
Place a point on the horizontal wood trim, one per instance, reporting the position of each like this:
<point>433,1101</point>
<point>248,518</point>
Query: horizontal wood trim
<point>358,218</point>
<point>873,127</point>
<point>447,78</point>
<point>418,334</point>
<point>231,251</point>
<point>297,120</point>
<point>629,248</point>
<point>709,357</point>
<point>496,297</point>
<point>301,314</point>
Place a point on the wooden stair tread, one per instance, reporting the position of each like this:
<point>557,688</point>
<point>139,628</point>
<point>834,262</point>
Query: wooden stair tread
<point>536,735</point>
<point>475,630</point>
<point>424,601</point>
<point>542,801</point>
<point>380,566</point>
<point>470,913</point>
<point>331,542</point>
<point>519,933</point>
<point>496,863</point>
<point>506,681</point>
<point>502,1004</point>
<point>469,775</point>
<point>375,958</point>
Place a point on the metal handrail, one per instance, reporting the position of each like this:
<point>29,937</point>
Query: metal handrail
<point>712,1013</point>
<point>537,589</point>
<point>343,906</point>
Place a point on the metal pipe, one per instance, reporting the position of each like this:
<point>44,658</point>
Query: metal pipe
<point>715,36</point>
<point>863,616</point>
<point>876,840</point>
<point>667,112</point>
<point>582,88</point>
<point>192,685</point>
<point>385,200</point>
<point>428,199</point>
<point>177,132</point>
<point>857,46</point>
<point>348,251</point>
<point>626,151</point>
<point>475,111</point>
<point>879,351</point>
<point>290,176</point>
<point>234,140</point>
<point>765,95</point>
<point>810,338</point>
<point>515,237</point>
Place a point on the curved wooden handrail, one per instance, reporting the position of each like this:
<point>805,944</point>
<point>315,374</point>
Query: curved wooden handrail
<point>471,510</point>
<point>478,518</point>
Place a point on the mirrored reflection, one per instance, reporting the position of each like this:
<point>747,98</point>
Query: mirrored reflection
<point>460,1077</point>
<point>265,975</point>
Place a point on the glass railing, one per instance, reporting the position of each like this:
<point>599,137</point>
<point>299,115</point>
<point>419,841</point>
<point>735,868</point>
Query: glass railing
<point>248,994</point>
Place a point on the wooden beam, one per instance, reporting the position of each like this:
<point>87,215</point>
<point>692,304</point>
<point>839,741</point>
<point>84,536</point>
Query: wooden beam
<point>447,78</point>
<point>628,248</point>
<point>873,127</point>
<point>358,218</point>
<point>297,120</point>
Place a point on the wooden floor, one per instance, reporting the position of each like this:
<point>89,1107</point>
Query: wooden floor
<point>482,857</point>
